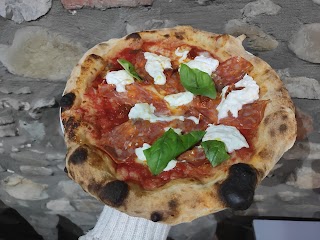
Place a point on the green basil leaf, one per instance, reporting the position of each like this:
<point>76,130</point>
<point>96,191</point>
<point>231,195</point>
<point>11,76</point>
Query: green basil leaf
<point>191,139</point>
<point>129,68</point>
<point>169,146</point>
<point>197,82</point>
<point>215,151</point>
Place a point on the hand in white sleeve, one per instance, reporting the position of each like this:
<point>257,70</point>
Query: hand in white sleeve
<point>115,225</point>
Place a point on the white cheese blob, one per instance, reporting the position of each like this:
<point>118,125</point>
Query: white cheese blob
<point>139,152</point>
<point>195,119</point>
<point>204,64</point>
<point>170,165</point>
<point>119,78</point>
<point>176,130</point>
<point>155,65</point>
<point>230,135</point>
<point>234,101</point>
<point>145,111</point>
<point>182,54</point>
<point>179,99</point>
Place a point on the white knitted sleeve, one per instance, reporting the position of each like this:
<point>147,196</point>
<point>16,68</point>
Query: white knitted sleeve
<point>115,225</point>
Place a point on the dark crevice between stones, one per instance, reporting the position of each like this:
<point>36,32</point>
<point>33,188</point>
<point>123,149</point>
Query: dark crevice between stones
<point>67,230</point>
<point>13,226</point>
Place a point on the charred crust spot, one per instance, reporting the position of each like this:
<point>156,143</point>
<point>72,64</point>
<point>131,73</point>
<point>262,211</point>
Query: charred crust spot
<point>265,153</point>
<point>79,156</point>
<point>65,170</point>
<point>70,126</point>
<point>114,192</point>
<point>95,57</point>
<point>103,44</point>
<point>84,68</point>
<point>267,71</point>
<point>283,128</point>
<point>87,64</point>
<point>237,190</point>
<point>284,117</point>
<point>179,35</point>
<point>93,188</point>
<point>173,204</point>
<point>166,35</point>
<point>67,101</point>
<point>222,40</point>
<point>266,120</point>
<point>133,36</point>
<point>272,132</point>
<point>156,216</point>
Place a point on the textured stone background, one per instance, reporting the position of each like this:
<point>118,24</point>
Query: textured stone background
<point>37,56</point>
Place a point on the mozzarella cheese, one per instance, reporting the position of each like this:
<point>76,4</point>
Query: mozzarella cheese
<point>139,152</point>
<point>155,65</point>
<point>204,64</point>
<point>145,111</point>
<point>177,130</point>
<point>234,101</point>
<point>170,165</point>
<point>230,135</point>
<point>194,119</point>
<point>182,54</point>
<point>179,99</point>
<point>119,78</point>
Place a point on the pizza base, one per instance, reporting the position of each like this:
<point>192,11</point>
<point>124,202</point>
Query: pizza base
<point>180,200</point>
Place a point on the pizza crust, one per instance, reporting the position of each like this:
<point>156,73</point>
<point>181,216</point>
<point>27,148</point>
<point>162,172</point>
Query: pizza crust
<point>179,200</point>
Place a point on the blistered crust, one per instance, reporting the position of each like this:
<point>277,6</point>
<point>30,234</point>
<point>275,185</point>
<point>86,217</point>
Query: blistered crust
<point>180,200</point>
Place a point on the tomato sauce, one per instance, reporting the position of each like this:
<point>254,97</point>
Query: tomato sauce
<point>119,137</point>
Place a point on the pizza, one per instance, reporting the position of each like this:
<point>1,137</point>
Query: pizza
<point>174,124</point>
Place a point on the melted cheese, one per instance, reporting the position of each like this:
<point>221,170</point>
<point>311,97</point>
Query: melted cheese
<point>139,152</point>
<point>155,66</point>
<point>204,64</point>
<point>179,99</point>
<point>234,101</point>
<point>145,111</point>
<point>230,135</point>
<point>119,78</point>
<point>170,165</point>
<point>182,54</point>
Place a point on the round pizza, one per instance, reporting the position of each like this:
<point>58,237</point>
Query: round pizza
<point>174,124</point>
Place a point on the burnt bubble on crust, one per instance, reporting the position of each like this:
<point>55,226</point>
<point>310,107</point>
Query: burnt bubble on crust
<point>114,192</point>
<point>134,35</point>
<point>237,190</point>
<point>67,100</point>
<point>79,156</point>
<point>156,216</point>
<point>71,126</point>
<point>179,35</point>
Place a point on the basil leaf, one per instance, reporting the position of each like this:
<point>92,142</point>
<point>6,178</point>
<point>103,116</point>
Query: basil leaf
<point>197,82</point>
<point>191,139</point>
<point>215,151</point>
<point>129,68</point>
<point>169,146</point>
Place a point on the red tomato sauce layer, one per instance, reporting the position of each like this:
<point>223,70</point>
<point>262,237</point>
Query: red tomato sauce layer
<point>119,136</point>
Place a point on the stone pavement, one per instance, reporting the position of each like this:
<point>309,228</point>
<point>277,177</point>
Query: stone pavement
<point>37,57</point>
